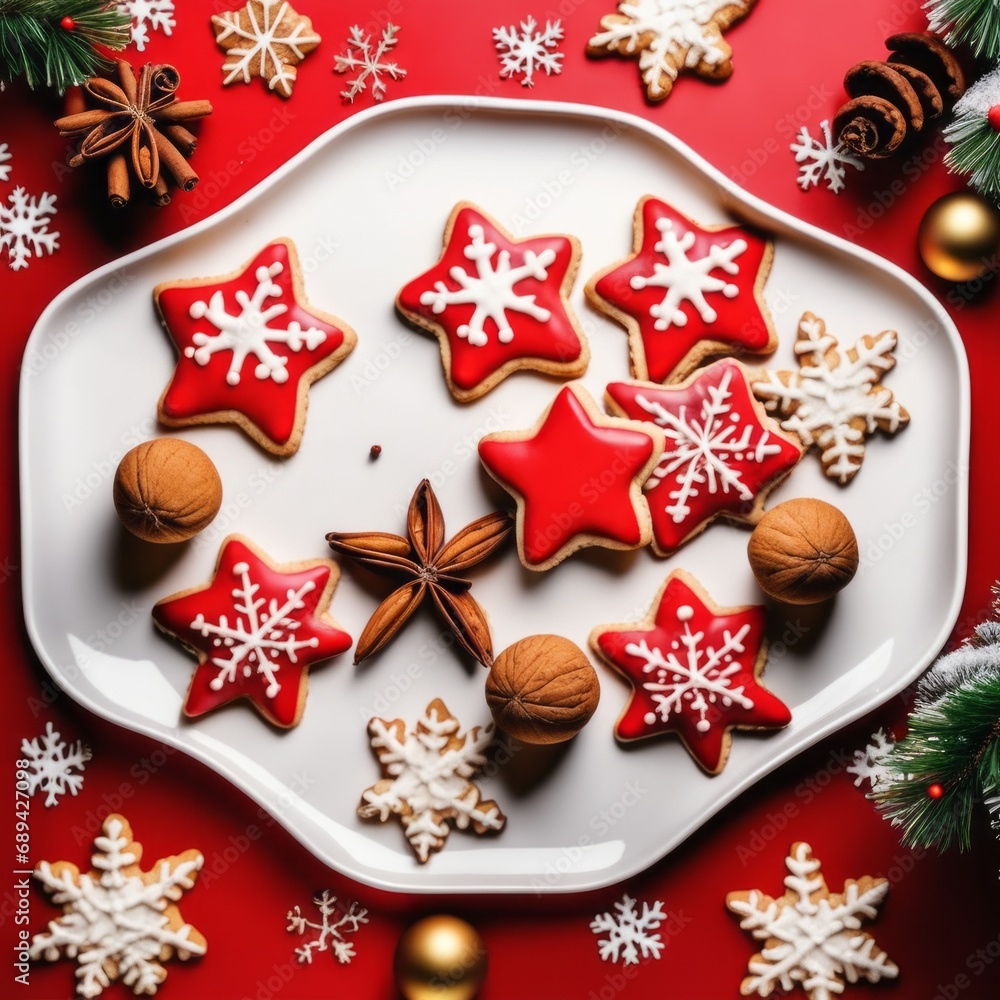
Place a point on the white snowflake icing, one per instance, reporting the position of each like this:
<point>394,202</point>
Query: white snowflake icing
<point>668,35</point>
<point>114,922</point>
<point>702,450</point>
<point>628,931</point>
<point>869,764</point>
<point>371,65</point>
<point>428,779</point>
<point>694,679</point>
<point>524,51</point>
<point>250,643</point>
<point>247,332</point>
<point>332,932</point>
<point>822,399</point>
<point>157,15</point>
<point>24,227</point>
<point>813,938</point>
<point>685,279</point>
<point>5,158</point>
<point>52,763</point>
<point>491,288</point>
<point>822,160</point>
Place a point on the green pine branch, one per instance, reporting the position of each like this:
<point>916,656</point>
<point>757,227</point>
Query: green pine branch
<point>975,152</point>
<point>954,743</point>
<point>975,22</point>
<point>34,44</point>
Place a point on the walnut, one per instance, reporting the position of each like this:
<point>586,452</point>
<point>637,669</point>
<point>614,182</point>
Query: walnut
<point>803,551</point>
<point>542,689</point>
<point>166,490</point>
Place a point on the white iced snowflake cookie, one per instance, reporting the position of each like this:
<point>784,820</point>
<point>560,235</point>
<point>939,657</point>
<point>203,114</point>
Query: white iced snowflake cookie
<point>836,399</point>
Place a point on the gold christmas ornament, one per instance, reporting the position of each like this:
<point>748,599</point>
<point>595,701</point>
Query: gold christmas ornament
<point>440,958</point>
<point>959,236</point>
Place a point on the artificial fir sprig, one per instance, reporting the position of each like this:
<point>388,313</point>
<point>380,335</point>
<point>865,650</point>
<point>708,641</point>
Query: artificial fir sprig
<point>974,135</point>
<point>976,22</point>
<point>56,43</point>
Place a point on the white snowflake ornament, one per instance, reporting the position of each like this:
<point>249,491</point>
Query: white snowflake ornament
<point>24,227</point>
<point>427,778</point>
<point>870,764</point>
<point>628,932</point>
<point>119,922</point>
<point>822,159</point>
<point>50,765</point>
<point>5,158</point>
<point>156,15</point>
<point>336,922</point>
<point>370,63</point>
<point>812,937</point>
<point>523,51</point>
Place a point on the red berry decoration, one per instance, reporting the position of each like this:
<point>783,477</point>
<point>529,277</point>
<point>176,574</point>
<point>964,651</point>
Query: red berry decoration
<point>68,23</point>
<point>993,117</point>
<point>935,791</point>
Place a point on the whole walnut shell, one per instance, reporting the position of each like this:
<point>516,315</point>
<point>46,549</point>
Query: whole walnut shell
<point>542,689</point>
<point>803,551</point>
<point>166,490</point>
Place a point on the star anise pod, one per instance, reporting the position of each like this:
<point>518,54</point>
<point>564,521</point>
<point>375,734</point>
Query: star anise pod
<point>135,124</point>
<point>426,565</point>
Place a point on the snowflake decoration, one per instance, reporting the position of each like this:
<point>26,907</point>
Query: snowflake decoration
<point>370,65</point>
<point>836,397</point>
<point>628,932</point>
<point>119,922</point>
<point>669,36</point>
<point>259,41</point>
<point>491,289</point>
<point>872,762</point>
<point>24,227</point>
<point>5,158</point>
<point>529,49</point>
<point>247,332</point>
<point>51,764</point>
<point>822,160</point>
<point>426,778</point>
<point>812,936</point>
<point>331,932</point>
<point>157,15</point>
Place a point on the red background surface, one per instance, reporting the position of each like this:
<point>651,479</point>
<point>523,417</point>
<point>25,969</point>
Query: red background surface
<point>790,58</point>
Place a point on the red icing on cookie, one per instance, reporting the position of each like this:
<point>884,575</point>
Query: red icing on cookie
<point>686,291</point>
<point>577,475</point>
<point>498,304</point>
<point>229,370</point>
<point>255,628</point>
<point>723,453</point>
<point>693,668</point>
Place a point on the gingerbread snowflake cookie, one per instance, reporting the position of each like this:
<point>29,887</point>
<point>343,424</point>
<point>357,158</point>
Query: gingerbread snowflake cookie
<point>836,399</point>
<point>249,347</point>
<point>687,292</point>
<point>812,937</point>
<point>119,923</point>
<point>670,37</point>
<point>426,779</point>
<point>695,671</point>
<point>498,304</point>
<point>267,39</point>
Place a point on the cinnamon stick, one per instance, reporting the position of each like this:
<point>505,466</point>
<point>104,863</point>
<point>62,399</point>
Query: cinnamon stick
<point>184,140</point>
<point>118,184</point>
<point>174,162</point>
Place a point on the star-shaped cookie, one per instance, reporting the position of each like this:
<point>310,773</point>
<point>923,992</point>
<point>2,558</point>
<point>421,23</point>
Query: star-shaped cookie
<point>255,628</point>
<point>498,304</point>
<point>687,292</point>
<point>723,453</point>
<point>694,670</point>
<point>577,477</point>
<point>250,346</point>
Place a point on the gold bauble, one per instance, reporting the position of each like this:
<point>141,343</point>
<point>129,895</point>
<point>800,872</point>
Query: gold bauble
<point>959,236</point>
<point>440,958</point>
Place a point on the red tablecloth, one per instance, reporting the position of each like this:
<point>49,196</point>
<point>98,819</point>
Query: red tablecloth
<point>940,923</point>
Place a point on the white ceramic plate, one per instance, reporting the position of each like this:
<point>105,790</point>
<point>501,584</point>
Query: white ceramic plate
<point>366,205</point>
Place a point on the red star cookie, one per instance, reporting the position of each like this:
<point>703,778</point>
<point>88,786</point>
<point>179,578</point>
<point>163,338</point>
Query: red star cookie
<point>255,629</point>
<point>687,292</point>
<point>250,345</point>
<point>498,304</point>
<point>723,453</point>
<point>694,670</point>
<point>576,476</point>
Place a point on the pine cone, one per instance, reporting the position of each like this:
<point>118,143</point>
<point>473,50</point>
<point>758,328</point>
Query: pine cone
<point>893,100</point>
